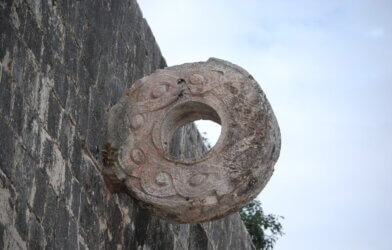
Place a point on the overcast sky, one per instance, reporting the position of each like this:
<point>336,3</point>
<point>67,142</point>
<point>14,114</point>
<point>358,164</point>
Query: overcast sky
<point>326,68</point>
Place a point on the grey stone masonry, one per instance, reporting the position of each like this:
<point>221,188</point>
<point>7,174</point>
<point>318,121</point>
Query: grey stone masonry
<point>63,64</point>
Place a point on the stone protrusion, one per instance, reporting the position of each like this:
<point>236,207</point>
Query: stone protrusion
<point>210,186</point>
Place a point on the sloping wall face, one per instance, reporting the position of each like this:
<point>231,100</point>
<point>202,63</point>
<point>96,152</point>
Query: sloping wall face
<point>63,64</point>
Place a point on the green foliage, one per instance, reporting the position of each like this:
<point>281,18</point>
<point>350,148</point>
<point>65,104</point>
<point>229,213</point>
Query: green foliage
<point>263,229</point>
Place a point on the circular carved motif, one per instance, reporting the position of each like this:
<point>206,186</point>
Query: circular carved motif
<point>196,79</point>
<point>197,179</point>
<point>137,121</point>
<point>138,156</point>
<point>162,179</point>
<point>158,91</point>
<point>232,173</point>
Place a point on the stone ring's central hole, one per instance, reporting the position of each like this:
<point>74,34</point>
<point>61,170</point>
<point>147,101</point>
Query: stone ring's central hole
<point>190,130</point>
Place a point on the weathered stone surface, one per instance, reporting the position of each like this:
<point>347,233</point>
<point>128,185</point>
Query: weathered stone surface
<point>63,64</point>
<point>214,185</point>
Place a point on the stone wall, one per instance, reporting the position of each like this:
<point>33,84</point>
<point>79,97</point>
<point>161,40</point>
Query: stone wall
<point>63,64</point>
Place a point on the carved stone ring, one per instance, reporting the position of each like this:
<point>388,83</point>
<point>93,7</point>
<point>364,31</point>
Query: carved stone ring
<point>219,183</point>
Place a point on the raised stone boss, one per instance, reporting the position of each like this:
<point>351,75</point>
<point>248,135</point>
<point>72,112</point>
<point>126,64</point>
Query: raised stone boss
<point>219,183</point>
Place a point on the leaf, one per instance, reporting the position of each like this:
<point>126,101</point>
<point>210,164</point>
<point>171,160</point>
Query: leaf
<point>257,224</point>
